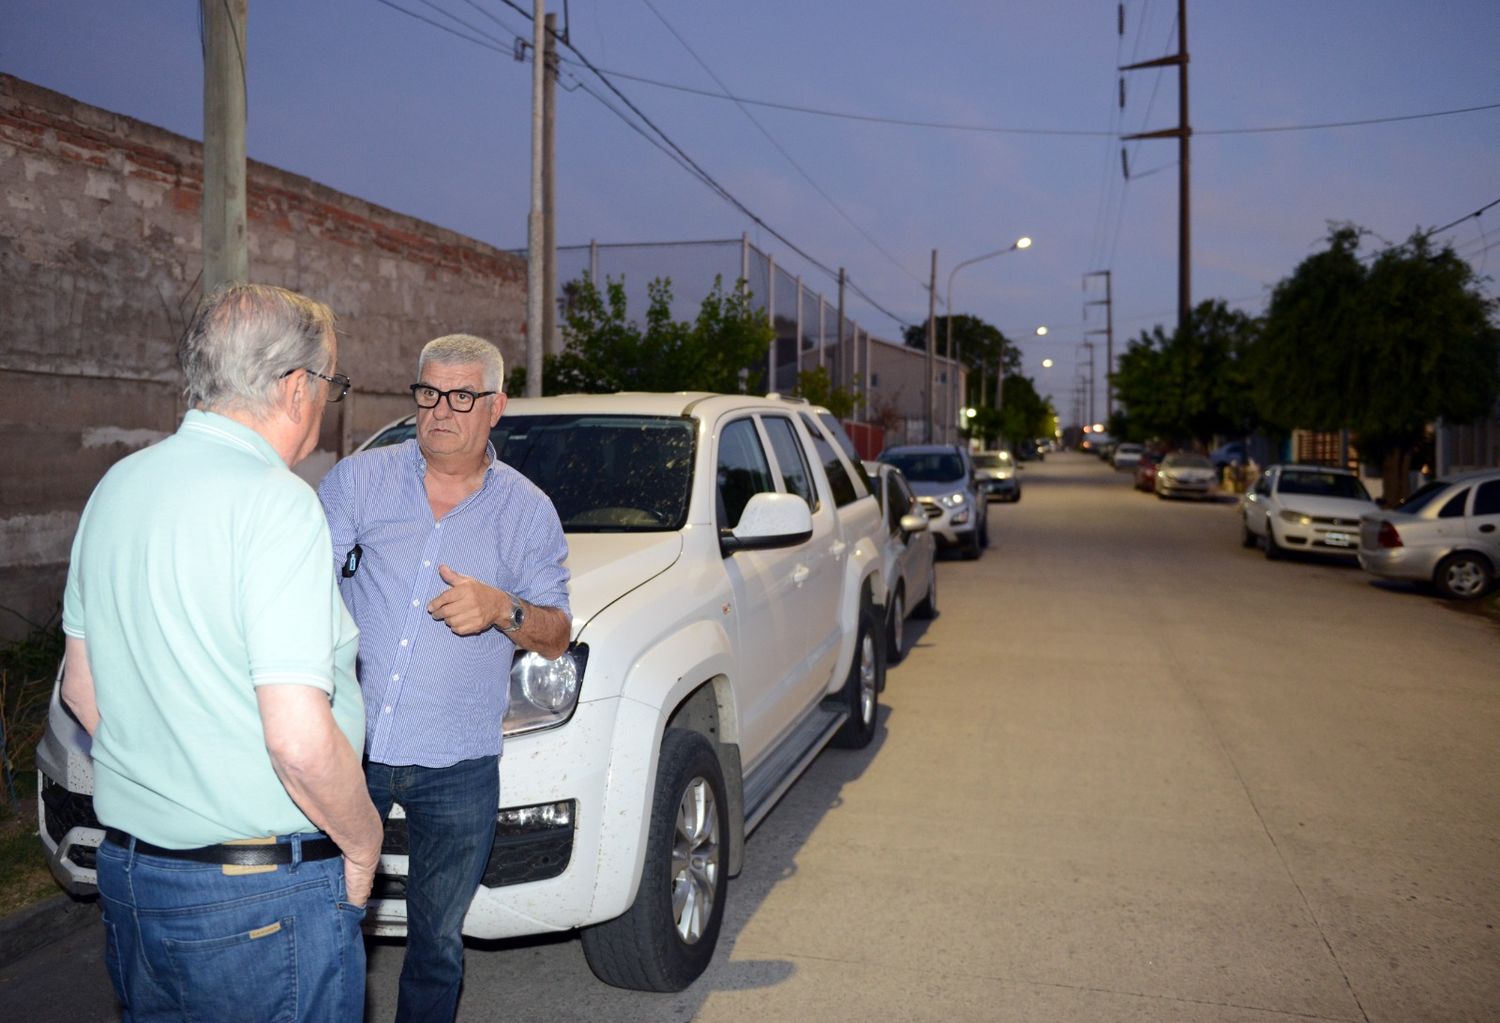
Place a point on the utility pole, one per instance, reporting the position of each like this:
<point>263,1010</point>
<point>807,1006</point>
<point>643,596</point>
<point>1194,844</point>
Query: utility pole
<point>226,254</point>
<point>535,232</point>
<point>1182,133</point>
<point>553,341</point>
<point>1109,336</point>
<point>1090,346</point>
<point>931,342</point>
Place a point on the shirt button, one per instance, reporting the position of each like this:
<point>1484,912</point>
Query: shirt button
<point>388,710</point>
<point>395,678</point>
<point>405,641</point>
<point>414,603</point>
<point>426,564</point>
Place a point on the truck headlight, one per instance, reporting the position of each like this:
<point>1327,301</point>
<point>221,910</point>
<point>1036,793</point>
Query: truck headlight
<point>544,693</point>
<point>1296,518</point>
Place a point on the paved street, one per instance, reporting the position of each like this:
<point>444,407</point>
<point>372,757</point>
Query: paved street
<point>1132,772</point>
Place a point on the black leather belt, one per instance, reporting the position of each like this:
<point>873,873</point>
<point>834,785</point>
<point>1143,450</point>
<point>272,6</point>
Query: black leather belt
<point>267,854</point>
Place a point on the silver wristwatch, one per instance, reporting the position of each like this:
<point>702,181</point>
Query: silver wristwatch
<point>517,615</point>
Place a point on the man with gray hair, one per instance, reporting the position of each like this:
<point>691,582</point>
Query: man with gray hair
<point>451,560</point>
<point>211,660</point>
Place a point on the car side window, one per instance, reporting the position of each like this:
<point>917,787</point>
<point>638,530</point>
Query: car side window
<point>839,482</point>
<point>791,459</point>
<point>1487,498</point>
<point>743,471</point>
<point>903,501</point>
<point>1454,509</point>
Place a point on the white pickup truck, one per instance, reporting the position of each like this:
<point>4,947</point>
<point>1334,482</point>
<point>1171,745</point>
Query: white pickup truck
<point>728,606</point>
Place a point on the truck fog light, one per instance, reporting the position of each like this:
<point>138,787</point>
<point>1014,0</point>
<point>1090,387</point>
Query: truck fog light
<point>542,817</point>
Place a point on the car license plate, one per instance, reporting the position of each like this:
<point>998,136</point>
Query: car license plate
<point>1338,539</point>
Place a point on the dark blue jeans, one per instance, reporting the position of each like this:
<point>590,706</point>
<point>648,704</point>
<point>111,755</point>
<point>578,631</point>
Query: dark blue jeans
<point>450,828</point>
<point>185,941</point>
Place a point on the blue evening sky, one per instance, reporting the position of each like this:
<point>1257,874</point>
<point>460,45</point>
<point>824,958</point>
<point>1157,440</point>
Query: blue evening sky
<point>371,101</point>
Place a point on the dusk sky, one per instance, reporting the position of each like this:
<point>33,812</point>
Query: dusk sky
<point>366,99</point>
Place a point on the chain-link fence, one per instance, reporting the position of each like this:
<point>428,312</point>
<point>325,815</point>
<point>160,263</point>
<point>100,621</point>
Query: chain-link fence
<point>889,382</point>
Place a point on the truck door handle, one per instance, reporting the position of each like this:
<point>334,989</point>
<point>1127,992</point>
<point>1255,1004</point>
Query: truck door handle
<point>800,574</point>
<point>1488,527</point>
<point>838,548</point>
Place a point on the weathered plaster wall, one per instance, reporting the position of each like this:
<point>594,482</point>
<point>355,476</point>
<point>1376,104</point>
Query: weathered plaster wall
<point>100,254</point>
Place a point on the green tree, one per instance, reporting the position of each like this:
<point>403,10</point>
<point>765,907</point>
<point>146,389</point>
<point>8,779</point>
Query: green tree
<point>1381,350</point>
<point>1190,385</point>
<point>817,387</point>
<point>977,346</point>
<point>723,349</point>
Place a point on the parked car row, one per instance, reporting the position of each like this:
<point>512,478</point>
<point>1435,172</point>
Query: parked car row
<point>1446,534</point>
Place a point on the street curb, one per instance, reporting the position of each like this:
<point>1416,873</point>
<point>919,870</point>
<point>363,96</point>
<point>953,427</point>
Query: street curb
<point>27,930</point>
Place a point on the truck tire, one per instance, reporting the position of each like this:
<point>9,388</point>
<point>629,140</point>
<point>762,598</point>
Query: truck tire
<point>862,687</point>
<point>666,939</point>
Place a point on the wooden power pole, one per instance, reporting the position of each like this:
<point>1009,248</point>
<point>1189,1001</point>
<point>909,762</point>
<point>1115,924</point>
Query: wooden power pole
<point>226,254</point>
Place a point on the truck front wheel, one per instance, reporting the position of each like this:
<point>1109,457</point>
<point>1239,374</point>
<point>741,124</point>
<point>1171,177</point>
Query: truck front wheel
<point>667,937</point>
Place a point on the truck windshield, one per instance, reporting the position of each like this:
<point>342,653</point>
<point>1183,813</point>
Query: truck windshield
<point>604,474</point>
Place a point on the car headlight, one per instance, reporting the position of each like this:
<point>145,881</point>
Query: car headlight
<point>952,500</point>
<point>1296,518</point>
<point>544,693</point>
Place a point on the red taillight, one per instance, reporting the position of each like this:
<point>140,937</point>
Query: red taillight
<point>1388,535</point>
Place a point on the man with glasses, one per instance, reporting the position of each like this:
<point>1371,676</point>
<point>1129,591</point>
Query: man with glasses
<point>212,661</point>
<point>450,561</point>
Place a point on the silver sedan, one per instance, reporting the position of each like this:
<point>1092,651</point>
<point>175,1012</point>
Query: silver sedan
<point>1446,534</point>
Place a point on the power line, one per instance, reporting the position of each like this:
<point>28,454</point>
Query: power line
<point>707,178</point>
<point>992,129</point>
<point>783,150</point>
<point>1345,124</point>
<point>440,26</point>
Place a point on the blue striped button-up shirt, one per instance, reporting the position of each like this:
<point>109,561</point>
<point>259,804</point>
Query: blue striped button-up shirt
<point>433,698</point>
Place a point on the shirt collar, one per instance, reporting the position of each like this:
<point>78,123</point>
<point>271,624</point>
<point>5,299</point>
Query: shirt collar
<point>223,430</point>
<point>419,462</point>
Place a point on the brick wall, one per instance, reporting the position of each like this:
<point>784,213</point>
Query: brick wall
<point>100,255</point>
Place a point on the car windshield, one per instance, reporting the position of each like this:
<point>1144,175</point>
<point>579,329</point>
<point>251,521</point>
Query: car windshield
<point>1422,497</point>
<point>604,474</point>
<point>1186,462</point>
<point>992,460</point>
<point>927,466</point>
<point>1322,484</point>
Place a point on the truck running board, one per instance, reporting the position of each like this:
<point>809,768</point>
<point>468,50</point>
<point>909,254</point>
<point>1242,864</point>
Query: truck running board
<point>766,784</point>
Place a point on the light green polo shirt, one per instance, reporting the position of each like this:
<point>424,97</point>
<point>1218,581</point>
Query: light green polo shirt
<point>200,571</point>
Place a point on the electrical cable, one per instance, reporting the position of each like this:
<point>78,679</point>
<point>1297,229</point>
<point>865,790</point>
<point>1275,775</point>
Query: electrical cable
<point>783,150</point>
<point>708,179</point>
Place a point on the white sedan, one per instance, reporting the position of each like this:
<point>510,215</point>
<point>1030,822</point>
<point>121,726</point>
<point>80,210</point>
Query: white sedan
<point>1305,508</point>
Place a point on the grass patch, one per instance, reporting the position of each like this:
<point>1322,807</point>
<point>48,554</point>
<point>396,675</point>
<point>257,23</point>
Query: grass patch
<point>27,669</point>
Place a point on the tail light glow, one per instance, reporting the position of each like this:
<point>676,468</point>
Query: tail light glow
<point>1388,535</point>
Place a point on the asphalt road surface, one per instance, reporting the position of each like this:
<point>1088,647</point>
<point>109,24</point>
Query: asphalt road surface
<point>1133,771</point>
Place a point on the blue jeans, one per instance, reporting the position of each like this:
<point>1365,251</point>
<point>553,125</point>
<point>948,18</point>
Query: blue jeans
<point>185,941</point>
<point>450,828</point>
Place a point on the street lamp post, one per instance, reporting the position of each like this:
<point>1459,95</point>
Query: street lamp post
<point>1020,243</point>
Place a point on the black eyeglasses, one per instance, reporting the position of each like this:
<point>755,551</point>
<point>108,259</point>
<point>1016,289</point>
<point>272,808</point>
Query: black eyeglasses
<point>340,383</point>
<point>459,400</point>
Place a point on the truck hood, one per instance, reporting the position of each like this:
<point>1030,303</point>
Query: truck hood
<point>606,566</point>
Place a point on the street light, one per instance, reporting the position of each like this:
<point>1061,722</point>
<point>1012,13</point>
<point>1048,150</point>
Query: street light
<point>1020,243</point>
<point>1046,364</point>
